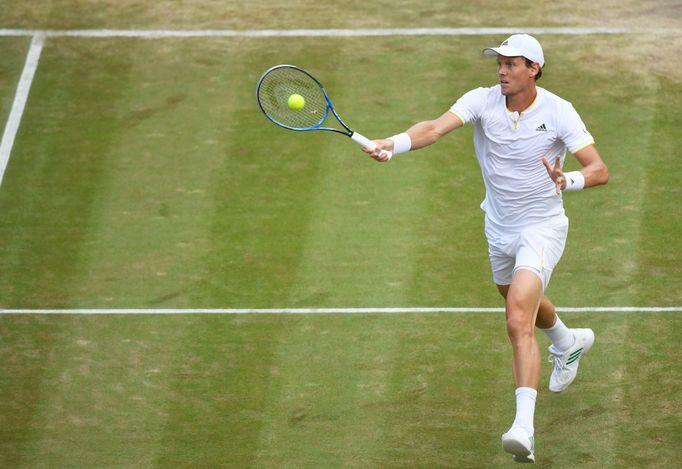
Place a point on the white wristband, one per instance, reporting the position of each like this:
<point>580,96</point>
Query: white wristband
<point>401,143</point>
<point>575,181</point>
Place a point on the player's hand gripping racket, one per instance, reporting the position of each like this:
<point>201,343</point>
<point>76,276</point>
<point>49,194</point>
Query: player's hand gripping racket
<point>294,99</point>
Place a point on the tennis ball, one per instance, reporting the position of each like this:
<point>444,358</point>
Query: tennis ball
<point>296,102</point>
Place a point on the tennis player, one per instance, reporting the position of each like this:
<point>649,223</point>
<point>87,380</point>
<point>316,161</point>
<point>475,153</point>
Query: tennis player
<point>521,135</point>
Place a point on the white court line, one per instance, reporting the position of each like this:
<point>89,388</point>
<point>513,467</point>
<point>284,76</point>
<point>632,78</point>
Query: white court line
<point>588,309</point>
<point>169,33</point>
<point>19,103</point>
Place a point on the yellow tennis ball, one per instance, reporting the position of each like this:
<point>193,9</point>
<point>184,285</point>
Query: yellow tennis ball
<point>296,102</point>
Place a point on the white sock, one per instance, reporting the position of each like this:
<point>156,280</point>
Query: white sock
<point>560,335</point>
<point>525,409</point>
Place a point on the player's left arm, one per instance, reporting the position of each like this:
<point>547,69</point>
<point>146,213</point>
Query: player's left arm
<point>593,169</point>
<point>592,173</point>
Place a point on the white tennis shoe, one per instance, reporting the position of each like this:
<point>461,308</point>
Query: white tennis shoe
<point>520,444</point>
<point>566,363</point>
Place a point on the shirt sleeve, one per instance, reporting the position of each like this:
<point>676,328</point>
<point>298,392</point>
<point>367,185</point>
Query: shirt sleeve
<point>572,130</point>
<point>471,105</point>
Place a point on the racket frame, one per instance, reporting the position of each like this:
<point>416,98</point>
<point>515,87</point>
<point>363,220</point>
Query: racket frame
<point>356,137</point>
<point>328,107</point>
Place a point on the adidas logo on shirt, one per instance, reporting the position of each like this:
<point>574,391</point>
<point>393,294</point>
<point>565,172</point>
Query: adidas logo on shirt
<point>541,128</point>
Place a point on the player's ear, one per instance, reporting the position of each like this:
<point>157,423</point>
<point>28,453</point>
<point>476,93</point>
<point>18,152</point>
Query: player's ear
<point>534,69</point>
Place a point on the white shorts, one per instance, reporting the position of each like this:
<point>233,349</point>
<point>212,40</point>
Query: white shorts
<point>537,248</point>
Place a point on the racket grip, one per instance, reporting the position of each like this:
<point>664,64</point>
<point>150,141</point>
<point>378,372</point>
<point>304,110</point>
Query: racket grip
<point>367,143</point>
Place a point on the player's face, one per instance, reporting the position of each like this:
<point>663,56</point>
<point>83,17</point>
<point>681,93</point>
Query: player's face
<point>515,76</point>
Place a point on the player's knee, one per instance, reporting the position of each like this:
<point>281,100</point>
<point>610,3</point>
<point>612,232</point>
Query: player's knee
<point>519,325</point>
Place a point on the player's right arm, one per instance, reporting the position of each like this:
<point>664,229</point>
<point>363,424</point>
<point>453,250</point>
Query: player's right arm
<point>427,133</point>
<point>421,135</point>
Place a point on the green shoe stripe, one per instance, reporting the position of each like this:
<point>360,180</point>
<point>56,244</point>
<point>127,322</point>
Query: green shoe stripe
<point>574,356</point>
<point>577,352</point>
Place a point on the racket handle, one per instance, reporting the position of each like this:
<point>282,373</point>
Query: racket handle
<point>367,143</point>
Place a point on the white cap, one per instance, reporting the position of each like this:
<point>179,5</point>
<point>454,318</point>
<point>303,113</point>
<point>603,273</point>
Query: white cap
<point>519,45</point>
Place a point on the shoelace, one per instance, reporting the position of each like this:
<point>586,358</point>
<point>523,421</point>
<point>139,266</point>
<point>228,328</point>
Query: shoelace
<point>556,360</point>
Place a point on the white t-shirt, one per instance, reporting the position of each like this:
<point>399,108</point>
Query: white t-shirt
<point>510,147</point>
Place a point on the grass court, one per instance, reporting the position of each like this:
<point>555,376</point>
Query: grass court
<point>143,175</point>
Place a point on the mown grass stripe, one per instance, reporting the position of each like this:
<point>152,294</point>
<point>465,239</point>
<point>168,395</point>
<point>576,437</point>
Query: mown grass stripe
<point>672,309</point>
<point>166,33</point>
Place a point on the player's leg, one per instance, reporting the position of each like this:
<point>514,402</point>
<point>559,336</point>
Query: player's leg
<point>521,306</point>
<point>522,299</point>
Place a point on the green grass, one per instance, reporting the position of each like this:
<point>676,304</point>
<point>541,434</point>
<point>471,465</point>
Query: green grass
<point>301,14</point>
<point>144,176</point>
<point>323,391</point>
<point>164,186</point>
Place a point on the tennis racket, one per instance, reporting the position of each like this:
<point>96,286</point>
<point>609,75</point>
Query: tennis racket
<point>282,83</point>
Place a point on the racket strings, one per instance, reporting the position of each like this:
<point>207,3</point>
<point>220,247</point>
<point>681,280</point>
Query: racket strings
<point>276,88</point>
